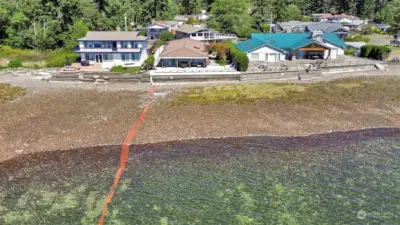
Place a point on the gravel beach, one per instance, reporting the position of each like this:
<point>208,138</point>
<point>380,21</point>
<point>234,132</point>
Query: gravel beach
<point>63,115</point>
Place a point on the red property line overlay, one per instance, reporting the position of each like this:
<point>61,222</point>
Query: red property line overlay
<point>124,158</point>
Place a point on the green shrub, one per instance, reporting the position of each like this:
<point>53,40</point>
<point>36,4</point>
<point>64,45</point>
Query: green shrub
<point>14,64</point>
<point>350,51</point>
<point>265,27</point>
<point>357,38</point>
<point>121,69</point>
<point>149,63</point>
<point>166,36</point>
<point>143,32</point>
<point>58,58</point>
<point>221,61</point>
<point>375,52</point>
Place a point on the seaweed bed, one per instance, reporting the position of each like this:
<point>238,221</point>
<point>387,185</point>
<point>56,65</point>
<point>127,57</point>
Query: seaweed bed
<point>340,177</point>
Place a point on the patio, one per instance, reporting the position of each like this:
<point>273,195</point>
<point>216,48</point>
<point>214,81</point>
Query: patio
<point>78,67</point>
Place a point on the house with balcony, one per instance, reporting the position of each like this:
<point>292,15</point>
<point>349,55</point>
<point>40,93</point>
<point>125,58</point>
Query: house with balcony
<point>157,27</point>
<point>113,48</point>
<point>201,33</point>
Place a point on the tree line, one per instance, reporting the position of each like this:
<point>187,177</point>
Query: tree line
<point>50,24</point>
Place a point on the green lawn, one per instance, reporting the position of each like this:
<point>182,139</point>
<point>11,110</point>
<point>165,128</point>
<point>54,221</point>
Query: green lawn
<point>121,69</point>
<point>394,49</point>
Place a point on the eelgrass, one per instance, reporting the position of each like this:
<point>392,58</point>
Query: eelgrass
<point>9,92</point>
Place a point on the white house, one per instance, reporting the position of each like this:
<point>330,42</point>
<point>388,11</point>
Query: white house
<point>201,33</point>
<point>113,48</point>
<point>272,47</point>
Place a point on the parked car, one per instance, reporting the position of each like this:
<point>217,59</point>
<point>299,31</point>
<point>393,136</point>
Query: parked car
<point>314,56</point>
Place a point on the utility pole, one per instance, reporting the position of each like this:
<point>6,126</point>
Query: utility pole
<point>270,22</point>
<point>126,22</point>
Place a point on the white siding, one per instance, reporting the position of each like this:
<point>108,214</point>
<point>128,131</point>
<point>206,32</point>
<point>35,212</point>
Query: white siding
<point>262,54</point>
<point>335,51</point>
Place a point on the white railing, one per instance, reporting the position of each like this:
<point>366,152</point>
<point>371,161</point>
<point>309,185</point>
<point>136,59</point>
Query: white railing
<point>109,50</point>
<point>215,37</point>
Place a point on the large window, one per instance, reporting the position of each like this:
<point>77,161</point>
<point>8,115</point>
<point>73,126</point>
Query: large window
<point>89,56</point>
<point>108,57</point>
<point>254,57</point>
<point>134,44</point>
<point>89,44</point>
<point>125,44</point>
<point>135,56</point>
<point>97,44</point>
<point>125,57</point>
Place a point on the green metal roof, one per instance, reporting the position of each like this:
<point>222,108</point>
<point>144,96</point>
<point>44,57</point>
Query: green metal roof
<point>285,41</point>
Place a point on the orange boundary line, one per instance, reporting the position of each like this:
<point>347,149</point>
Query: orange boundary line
<point>124,158</point>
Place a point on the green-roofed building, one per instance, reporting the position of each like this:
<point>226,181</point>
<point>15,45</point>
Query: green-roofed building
<point>274,47</point>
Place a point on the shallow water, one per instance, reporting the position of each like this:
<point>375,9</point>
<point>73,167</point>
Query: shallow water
<point>339,178</point>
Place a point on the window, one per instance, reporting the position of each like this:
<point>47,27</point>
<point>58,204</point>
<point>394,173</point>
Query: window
<point>89,56</point>
<point>97,44</point>
<point>200,34</point>
<point>89,44</point>
<point>135,44</point>
<point>254,57</point>
<point>125,44</point>
<point>135,56</point>
<point>125,57</point>
<point>272,57</point>
<point>108,57</point>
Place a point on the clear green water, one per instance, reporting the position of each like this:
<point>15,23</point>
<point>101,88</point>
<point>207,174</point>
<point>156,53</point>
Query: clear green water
<point>329,179</point>
<point>351,184</point>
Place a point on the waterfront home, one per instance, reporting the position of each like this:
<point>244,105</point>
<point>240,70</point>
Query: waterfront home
<point>302,27</point>
<point>183,53</point>
<point>291,27</point>
<point>157,27</point>
<point>274,47</point>
<point>113,48</point>
<point>355,25</point>
<point>201,33</point>
<point>381,26</point>
<point>202,16</point>
<point>338,18</point>
<point>336,28</point>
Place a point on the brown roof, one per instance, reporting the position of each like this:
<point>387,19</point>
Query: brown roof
<point>113,36</point>
<point>185,48</point>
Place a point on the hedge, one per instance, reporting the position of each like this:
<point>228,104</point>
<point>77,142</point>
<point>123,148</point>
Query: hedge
<point>239,58</point>
<point>375,52</point>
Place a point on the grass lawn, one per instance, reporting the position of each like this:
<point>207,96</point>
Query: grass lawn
<point>8,92</point>
<point>121,69</point>
<point>355,90</point>
<point>394,49</point>
<point>36,59</point>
